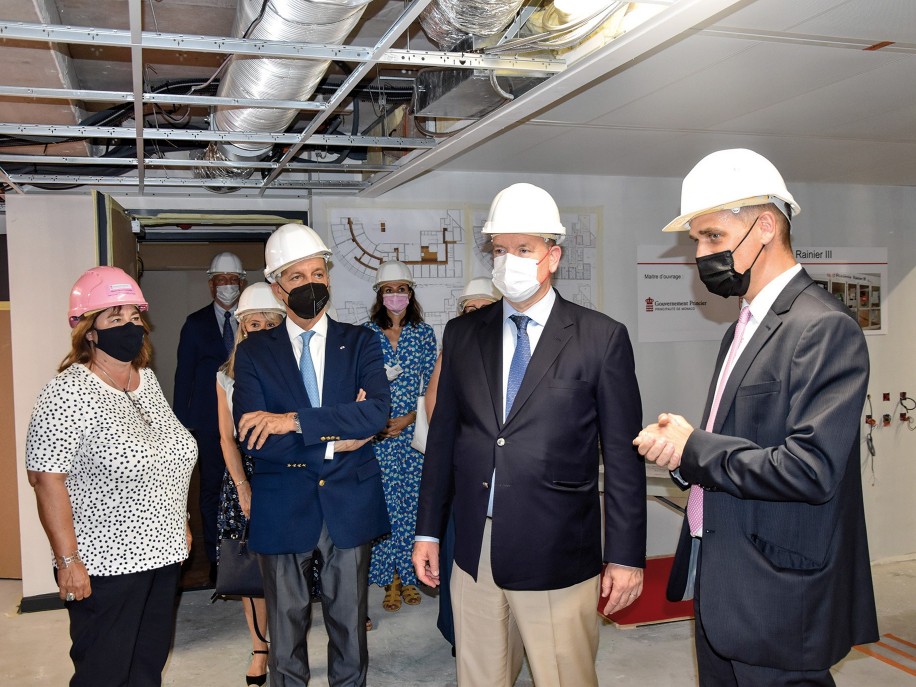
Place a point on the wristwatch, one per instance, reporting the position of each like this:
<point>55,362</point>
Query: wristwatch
<point>296,423</point>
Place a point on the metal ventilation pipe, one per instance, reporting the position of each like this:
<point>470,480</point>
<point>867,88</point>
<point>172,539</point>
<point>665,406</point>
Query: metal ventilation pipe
<point>447,22</point>
<point>301,21</point>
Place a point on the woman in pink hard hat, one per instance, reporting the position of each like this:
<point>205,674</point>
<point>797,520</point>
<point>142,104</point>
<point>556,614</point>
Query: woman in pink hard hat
<point>111,464</point>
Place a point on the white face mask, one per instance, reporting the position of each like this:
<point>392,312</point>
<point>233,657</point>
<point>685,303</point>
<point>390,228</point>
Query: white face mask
<point>516,277</point>
<point>227,294</point>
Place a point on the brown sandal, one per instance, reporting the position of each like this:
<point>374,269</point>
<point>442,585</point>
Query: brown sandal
<point>392,600</point>
<point>411,595</point>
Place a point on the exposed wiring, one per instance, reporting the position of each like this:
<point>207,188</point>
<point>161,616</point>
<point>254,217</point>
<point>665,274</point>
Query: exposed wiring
<point>225,62</point>
<point>869,439</point>
<point>558,37</point>
<point>909,405</point>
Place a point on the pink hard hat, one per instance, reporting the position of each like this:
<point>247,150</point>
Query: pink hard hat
<point>104,287</point>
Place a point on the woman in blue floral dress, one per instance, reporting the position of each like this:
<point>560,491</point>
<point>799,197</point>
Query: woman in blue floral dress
<point>409,347</point>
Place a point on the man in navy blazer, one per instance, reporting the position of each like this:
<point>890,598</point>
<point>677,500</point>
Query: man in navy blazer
<point>205,342</point>
<point>515,450</point>
<point>308,397</point>
<point>773,550</point>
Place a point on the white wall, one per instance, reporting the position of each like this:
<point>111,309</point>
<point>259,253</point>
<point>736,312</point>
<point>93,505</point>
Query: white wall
<point>672,376</point>
<point>51,242</point>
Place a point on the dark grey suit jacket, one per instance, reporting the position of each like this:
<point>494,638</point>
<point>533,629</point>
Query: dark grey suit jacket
<point>579,387</point>
<point>784,576</point>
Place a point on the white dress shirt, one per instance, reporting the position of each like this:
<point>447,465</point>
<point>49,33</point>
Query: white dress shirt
<point>220,313</point>
<point>317,345</point>
<point>539,312</point>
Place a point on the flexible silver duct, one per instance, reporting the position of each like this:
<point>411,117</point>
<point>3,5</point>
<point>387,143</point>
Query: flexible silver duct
<point>447,22</point>
<point>301,21</point>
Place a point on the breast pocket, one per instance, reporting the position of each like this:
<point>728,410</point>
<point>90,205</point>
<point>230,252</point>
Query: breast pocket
<point>571,396</point>
<point>757,411</point>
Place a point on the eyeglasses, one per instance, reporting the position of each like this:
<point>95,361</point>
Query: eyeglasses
<point>136,404</point>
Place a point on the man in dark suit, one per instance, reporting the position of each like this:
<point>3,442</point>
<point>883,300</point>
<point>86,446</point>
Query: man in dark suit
<point>773,549</point>
<point>307,397</point>
<point>206,340</point>
<point>534,391</point>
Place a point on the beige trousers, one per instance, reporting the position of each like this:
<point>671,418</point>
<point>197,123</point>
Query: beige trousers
<point>495,627</point>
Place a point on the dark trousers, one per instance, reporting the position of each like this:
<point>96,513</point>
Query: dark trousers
<point>717,671</point>
<point>212,467</point>
<point>122,632</point>
<point>344,604</point>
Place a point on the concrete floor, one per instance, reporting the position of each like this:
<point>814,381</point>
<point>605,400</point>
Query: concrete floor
<point>211,646</point>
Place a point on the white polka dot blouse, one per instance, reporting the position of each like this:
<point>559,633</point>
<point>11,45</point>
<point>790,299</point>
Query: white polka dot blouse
<point>128,462</point>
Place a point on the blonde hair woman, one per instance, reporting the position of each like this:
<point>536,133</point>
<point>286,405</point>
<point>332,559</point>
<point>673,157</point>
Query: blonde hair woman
<point>258,310</point>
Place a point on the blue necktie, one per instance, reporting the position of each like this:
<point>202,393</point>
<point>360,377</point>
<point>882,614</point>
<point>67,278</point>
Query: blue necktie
<point>228,335</point>
<point>519,359</point>
<point>307,370</point>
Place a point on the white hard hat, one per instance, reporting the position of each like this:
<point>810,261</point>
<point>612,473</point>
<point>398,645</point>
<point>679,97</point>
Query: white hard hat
<point>525,209</point>
<point>392,270</point>
<point>291,243</point>
<point>226,263</point>
<point>479,287</point>
<point>258,298</point>
<point>730,179</point>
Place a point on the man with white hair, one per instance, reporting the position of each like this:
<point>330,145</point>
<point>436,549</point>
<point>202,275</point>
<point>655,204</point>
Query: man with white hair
<point>308,397</point>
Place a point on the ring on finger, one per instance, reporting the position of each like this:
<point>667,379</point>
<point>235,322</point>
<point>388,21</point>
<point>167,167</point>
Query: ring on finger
<point>71,596</point>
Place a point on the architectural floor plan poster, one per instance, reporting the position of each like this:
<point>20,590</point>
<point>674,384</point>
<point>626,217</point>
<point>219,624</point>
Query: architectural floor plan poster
<point>443,249</point>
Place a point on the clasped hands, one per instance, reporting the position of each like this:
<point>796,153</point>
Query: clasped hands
<point>396,425</point>
<point>663,442</point>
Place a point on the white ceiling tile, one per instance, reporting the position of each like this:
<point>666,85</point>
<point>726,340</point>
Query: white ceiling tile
<point>880,20</point>
<point>656,74</point>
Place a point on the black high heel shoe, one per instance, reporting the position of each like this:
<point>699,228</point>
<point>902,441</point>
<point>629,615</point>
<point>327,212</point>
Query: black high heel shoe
<point>258,680</point>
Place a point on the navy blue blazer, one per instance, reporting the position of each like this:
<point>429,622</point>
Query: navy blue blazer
<point>784,573</point>
<point>200,353</point>
<point>294,489</point>
<point>579,402</point>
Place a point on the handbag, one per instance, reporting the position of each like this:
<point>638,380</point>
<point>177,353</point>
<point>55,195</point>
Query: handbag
<point>238,572</point>
<point>420,426</point>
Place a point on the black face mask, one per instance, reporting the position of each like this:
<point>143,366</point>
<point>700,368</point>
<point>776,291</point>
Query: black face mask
<point>308,300</point>
<point>718,274</point>
<point>121,343</point>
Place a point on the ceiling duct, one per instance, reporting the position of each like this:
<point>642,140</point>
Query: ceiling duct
<point>270,78</point>
<point>448,22</point>
<point>553,29</point>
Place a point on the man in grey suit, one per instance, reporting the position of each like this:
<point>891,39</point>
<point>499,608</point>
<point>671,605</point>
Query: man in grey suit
<point>773,548</point>
<point>529,385</point>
